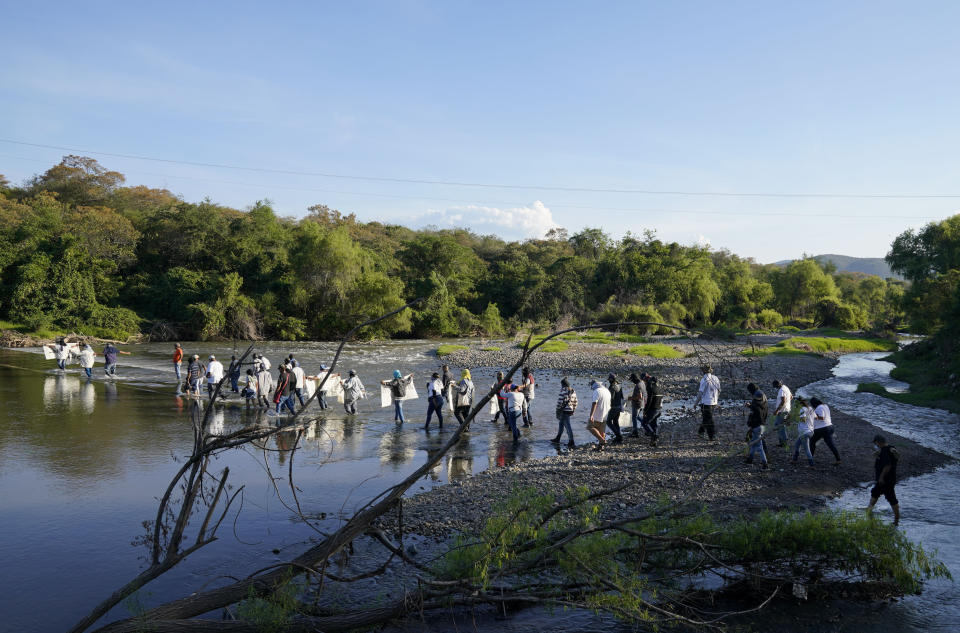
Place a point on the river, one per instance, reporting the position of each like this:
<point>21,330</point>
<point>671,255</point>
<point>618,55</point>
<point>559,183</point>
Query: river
<point>82,462</point>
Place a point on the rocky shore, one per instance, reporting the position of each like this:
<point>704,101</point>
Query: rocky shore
<point>679,461</point>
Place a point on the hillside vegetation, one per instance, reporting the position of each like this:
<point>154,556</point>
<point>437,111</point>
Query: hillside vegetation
<point>83,252</point>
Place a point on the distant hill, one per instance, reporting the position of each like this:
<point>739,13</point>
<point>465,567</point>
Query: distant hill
<point>844,263</point>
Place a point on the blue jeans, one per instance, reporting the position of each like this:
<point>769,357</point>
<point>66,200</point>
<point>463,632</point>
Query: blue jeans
<point>176,368</point>
<point>398,410</point>
<point>650,423</point>
<point>564,419</point>
<point>299,392</point>
<point>781,425</point>
<point>109,369</point>
<point>88,371</point>
<point>288,403</point>
<point>636,414</point>
<point>434,405</point>
<point>527,417</point>
<point>512,419</point>
<point>62,363</point>
<point>756,444</point>
<point>321,401</point>
<point>804,441</point>
<point>235,384</point>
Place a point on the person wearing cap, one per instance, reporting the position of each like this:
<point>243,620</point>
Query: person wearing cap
<point>177,360</point>
<point>885,476</point>
<point>708,396</point>
<point>398,389</point>
<point>528,386</point>
<point>598,413</point>
<point>214,374</point>
<point>782,411</point>
<point>435,399</point>
<point>637,401</point>
<point>352,391</point>
<point>515,401</point>
<point>566,407</point>
<point>464,396</point>
<point>616,408</point>
<point>652,409</point>
<point>195,370</point>
<point>758,415</point>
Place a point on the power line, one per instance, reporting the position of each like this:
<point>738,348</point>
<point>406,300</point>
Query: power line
<point>453,183</point>
<point>552,205</point>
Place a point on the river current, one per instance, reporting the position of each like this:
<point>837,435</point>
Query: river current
<point>83,462</point>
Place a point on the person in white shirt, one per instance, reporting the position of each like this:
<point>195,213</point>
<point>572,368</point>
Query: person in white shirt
<point>804,431</point>
<point>214,374</point>
<point>516,404</point>
<point>707,397</point>
<point>86,359</point>
<point>301,382</point>
<point>599,409</point>
<point>782,411</point>
<point>822,428</point>
<point>61,352</point>
<point>353,390</point>
<point>435,399</point>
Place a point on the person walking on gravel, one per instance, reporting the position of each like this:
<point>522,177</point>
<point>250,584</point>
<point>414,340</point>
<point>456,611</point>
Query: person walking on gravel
<point>527,386</point>
<point>616,408</point>
<point>707,397</point>
<point>782,411</point>
<point>598,413</point>
<point>653,408</point>
<point>758,415</point>
<point>566,406</point>
<point>637,401</point>
<point>804,431</point>
<point>822,428</point>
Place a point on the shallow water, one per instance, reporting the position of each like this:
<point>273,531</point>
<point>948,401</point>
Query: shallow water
<point>83,462</point>
<point>81,465</point>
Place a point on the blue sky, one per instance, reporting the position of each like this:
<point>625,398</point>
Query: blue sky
<point>735,97</point>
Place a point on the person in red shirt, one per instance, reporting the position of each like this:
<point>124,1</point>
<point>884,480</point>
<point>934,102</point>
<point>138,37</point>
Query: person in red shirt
<point>177,359</point>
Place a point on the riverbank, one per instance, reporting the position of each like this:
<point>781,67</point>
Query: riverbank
<point>678,462</point>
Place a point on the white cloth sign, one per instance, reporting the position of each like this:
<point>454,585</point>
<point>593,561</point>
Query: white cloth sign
<point>386,398</point>
<point>493,406</point>
<point>449,393</point>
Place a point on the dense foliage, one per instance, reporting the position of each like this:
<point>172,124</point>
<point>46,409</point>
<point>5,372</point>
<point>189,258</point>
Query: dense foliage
<point>83,252</point>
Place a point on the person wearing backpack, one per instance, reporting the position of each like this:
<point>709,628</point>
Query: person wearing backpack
<point>885,475</point>
<point>398,389</point>
<point>758,415</point>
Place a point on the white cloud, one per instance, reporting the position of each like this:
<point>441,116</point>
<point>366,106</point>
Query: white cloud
<point>531,221</point>
<point>703,240</point>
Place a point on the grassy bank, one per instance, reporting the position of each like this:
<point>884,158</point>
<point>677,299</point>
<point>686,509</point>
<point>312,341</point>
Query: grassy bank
<point>824,345</point>
<point>652,350</point>
<point>931,367</point>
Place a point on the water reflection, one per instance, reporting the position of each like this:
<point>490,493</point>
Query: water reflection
<point>397,447</point>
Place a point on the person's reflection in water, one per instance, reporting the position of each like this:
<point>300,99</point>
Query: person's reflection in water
<point>460,460</point>
<point>110,391</point>
<point>395,447</point>
<point>88,397</point>
<point>286,440</point>
<point>433,449</point>
<point>215,426</point>
<point>60,390</point>
<point>504,451</point>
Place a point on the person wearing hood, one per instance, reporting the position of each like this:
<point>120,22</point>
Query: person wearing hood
<point>758,415</point>
<point>398,390</point>
<point>885,476</point>
<point>616,408</point>
<point>464,396</point>
<point>86,359</point>
<point>637,401</point>
<point>653,408</point>
<point>353,391</point>
<point>435,399</point>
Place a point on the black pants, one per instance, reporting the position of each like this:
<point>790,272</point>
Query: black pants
<point>501,410</point>
<point>707,423</point>
<point>650,423</point>
<point>825,434</point>
<point>613,422</point>
<point>461,413</point>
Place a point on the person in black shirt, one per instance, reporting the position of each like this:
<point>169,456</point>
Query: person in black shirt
<point>616,408</point>
<point>885,474</point>
<point>758,415</point>
<point>651,408</point>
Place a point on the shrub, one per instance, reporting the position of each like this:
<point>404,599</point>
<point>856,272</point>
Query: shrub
<point>769,319</point>
<point>448,348</point>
